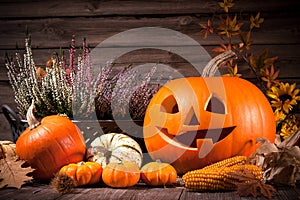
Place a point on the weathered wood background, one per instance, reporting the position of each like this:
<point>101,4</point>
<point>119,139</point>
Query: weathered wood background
<point>138,192</point>
<point>52,24</point>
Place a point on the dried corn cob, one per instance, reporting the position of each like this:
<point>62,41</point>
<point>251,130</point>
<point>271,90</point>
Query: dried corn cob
<point>218,178</point>
<point>228,162</point>
<point>221,164</point>
<point>203,180</point>
<point>254,169</point>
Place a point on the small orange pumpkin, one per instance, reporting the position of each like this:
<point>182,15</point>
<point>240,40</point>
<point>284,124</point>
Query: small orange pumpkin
<point>83,173</point>
<point>50,144</point>
<point>158,174</point>
<point>121,175</point>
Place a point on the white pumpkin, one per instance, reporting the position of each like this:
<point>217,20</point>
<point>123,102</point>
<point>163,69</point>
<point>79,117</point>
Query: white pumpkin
<point>115,148</point>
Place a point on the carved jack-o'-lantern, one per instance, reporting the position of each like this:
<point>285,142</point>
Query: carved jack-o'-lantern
<point>192,122</point>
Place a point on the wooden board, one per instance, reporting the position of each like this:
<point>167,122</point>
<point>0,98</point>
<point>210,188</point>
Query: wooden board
<point>57,32</point>
<point>140,191</point>
<point>288,62</point>
<point>71,8</point>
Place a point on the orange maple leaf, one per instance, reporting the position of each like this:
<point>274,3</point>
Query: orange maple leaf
<point>206,29</point>
<point>256,21</point>
<point>226,4</point>
<point>229,27</point>
<point>271,77</point>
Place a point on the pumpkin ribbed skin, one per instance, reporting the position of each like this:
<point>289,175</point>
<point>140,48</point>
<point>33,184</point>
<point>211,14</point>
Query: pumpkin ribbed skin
<point>83,173</point>
<point>193,122</point>
<point>121,175</point>
<point>158,174</point>
<point>115,148</point>
<point>56,142</point>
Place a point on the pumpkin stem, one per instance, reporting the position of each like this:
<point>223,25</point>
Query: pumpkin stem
<point>32,121</point>
<point>81,163</point>
<point>212,66</point>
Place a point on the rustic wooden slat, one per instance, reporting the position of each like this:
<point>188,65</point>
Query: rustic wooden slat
<point>35,193</point>
<point>45,192</point>
<point>159,193</point>
<point>57,32</point>
<point>57,8</point>
<point>288,193</point>
<point>5,132</point>
<point>79,193</point>
<point>136,192</point>
<point>6,95</point>
<point>288,60</point>
<point>281,193</point>
<point>209,195</point>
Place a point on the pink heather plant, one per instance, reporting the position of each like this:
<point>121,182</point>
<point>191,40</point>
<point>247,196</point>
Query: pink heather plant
<point>68,88</point>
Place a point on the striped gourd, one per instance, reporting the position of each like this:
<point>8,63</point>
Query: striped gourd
<point>218,176</point>
<point>115,148</point>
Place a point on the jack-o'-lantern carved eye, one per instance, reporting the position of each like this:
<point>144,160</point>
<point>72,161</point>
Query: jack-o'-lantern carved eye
<point>215,105</point>
<point>169,105</point>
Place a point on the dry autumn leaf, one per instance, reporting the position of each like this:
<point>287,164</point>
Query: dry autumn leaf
<point>226,4</point>
<point>280,162</point>
<point>256,21</point>
<point>248,184</point>
<point>206,29</point>
<point>12,174</point>
<point>261,62</point>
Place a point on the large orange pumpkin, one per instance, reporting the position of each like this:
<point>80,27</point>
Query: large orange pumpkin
<point>50,144</point>
<point>192,122</point>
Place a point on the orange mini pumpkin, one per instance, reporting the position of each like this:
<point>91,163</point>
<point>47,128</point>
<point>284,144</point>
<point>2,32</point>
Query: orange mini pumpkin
<point>158,174</point>
<point>50,144</point>
<point>83,173</point>
<point>192,122</point>
<point>121,175</point>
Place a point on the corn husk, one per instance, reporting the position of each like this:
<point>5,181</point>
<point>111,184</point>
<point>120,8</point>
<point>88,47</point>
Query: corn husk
<point>280,161</point>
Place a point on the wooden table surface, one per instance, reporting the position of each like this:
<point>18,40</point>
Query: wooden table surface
<point>140,191</point>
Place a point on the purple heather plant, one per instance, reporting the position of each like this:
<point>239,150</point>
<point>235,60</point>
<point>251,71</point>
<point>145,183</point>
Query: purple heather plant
<point>125,95</point>
<point>69,88</point>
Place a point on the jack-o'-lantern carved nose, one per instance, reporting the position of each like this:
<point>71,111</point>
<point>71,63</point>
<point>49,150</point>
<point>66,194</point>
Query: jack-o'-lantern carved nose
<point>191,118</point>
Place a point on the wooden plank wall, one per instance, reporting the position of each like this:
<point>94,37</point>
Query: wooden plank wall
<point>52,24</point>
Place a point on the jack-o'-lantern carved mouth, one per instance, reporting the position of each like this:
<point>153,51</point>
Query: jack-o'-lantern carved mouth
<point>190,138</point>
